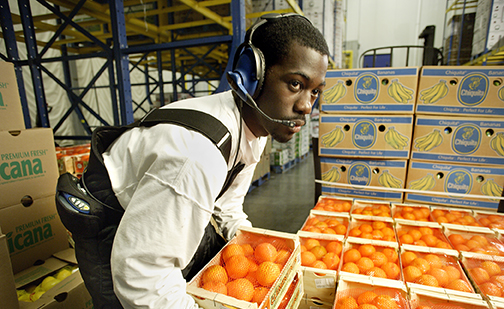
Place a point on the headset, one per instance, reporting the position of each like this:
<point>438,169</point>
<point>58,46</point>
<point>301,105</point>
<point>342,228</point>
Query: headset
<point>247,77</point>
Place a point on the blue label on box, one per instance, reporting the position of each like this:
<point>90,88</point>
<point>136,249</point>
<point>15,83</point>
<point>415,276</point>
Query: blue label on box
<point>364,193</point>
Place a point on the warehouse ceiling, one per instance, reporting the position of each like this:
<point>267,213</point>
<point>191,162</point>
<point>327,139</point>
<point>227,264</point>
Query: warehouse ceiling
<point>146,22</point>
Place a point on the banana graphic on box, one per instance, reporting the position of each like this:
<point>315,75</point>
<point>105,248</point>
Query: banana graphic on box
<point>333,138</point>
<point>425,183</point>
<point>500,93</point>
<point>396,139</point>
<point>399,92</point>
<point>429,141</point>
<point>332,175</point>
<point>497,143</point>
<point>387,180</point>
<point>333,94</point>
<point>435,93</point>
<point>491,188</point>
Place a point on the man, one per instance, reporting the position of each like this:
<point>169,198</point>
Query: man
<point>167,178</point>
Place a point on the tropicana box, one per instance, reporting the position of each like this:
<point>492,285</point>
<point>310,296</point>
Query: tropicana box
<point>11,113</point>
<point>28,216</point>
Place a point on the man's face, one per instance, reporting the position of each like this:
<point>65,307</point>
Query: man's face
<point>290,90</point>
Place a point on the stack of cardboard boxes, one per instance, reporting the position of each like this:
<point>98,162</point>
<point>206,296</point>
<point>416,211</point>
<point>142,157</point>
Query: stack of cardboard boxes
<point>366,124</point>
<point>33,232</point>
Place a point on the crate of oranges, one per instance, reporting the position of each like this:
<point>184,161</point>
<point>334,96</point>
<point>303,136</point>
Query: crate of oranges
<point>369,208</point>
<point>454,216</point>
<point>370,293</point>
<point>487,275</point>
<point>435,272</point>
<point>408,213</point>
<point>253,270</point>
<point>323,222</point>
<point>320,261</point>
<point>473,242</point>
<point>413,235</point>
<point>364,258</point>
<point>490,219</point>
<point>334,204</point>
<point>378,230</point>
<point>421,299</point>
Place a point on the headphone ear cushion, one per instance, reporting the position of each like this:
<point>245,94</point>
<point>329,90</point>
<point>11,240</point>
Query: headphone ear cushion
<point>249,64</point>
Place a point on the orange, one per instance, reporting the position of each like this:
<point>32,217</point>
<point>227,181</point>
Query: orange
<point>479,275</point>
<point>411,273</point>
<point>378,225</point>
<point>385,302</point>
<point>392,270</point>
<point>329,230</point>
<point>387,231</point>
<point>231,250</point>
<point>237,266</point>
<point>241,289</point>
<point>366,250</point>
<point>483,241</point>
<point>391,254</point>
<point>308,258</point>
<point>426,230</point>
<point>489,288</point>
<point>462,247</point>
<point>421,264</point>
<point>247,249</point>
<point>350,268</point>
<point>321,225</point>
<point>428,280</point>
<point>347,303</point>
<point>378,258</point>
<point>441,276</point>
<point>303,248</point>
<point>407,257</point>
<point>377,235</point>
<point>319,251</point>
<point>430,240</point>
<point>420,243</point>
<point>366,228</point>
<point>267,273</point>
<point>310,243</point>
<point>366,297</point>
<point>423,307</point>
<point>215,273</point>
<point>406,239</point>
<point>367,306</point>
<point>355,232</point>
<point>409,216</point>
<point>319,264</point>
<point>377,272</point>
<point>419,214</point>
<point>443,245</point>
<point>442,219</point>
<point>364,264</point>
<point>452,271</point>
<point>282,256</point>
<point>334,246</point>
<point>259,293</point>
<point>459,285</point>
<point>471,244</point>
<point>252,265</point>
<point>416,234</point>
<point>252,277</point>
<point>434,260</point>
<point>215,286</point>
<point>331,260</point>
<point>367,235</point>
<point>352,255</point>
<point>498,281</point>
<point>265,252</point>
<point>491,268</point>
<point>341,229</point>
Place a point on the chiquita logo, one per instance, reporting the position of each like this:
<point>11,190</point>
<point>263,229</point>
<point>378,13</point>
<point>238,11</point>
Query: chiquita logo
<point>458,181</point>
<point>359,174</point>
<point>364,134</point>
<point>473,89</point>
<point>466,139</point>
<point>366,88</point>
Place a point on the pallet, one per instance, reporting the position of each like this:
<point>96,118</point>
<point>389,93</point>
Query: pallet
<point>302,158</point>
<point>279,169</point>
<point>258,182</point>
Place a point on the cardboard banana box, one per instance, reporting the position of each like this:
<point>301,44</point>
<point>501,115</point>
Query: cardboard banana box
<point>371,90</point>
<point>462,91</point>
<point>361,136</point>
<point>377,173</point>
<point>11,113</point>
<point>459,140</point>
<point>458,179</point>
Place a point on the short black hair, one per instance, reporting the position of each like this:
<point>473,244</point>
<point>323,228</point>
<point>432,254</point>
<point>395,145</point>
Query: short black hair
<point>274,38</point>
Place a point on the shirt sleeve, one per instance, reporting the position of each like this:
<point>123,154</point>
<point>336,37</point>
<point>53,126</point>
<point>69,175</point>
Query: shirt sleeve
<point>167,187</point>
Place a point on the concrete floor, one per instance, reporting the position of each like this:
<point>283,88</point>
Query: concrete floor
<point>283,202</point>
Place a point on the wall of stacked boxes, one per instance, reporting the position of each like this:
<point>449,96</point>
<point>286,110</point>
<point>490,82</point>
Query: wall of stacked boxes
<point>37,261</point>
